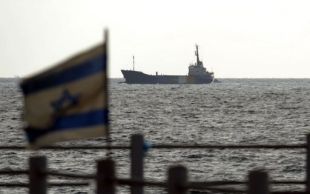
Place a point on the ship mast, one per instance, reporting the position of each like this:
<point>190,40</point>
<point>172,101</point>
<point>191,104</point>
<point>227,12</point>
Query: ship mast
<point>133,62</point>
<point>197,55</point>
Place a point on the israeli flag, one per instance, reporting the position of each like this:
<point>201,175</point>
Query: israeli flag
<point>68,101</point>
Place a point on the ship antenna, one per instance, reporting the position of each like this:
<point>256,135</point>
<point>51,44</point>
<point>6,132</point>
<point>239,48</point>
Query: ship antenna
<point>197,54</point>
<point>133,62</point>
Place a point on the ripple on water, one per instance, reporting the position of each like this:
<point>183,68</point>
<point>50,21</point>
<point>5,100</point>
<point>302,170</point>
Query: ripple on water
<point>232,112</point>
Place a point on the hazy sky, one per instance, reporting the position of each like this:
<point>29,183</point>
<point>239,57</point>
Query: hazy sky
<point>237,38</point>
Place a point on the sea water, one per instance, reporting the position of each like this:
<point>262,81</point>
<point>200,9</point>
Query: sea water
<point>235,111</point>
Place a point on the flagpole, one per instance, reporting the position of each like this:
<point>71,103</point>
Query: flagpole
<point>106,80</point>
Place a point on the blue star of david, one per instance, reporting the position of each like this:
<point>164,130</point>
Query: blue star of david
<point>64,101</point>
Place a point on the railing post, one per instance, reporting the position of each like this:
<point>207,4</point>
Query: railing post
<point>308,165</point>
<point>177,180</point>
<point>258,182</point>
<point>105,177</point>
<point>137,142</point>
<point>37,175</point>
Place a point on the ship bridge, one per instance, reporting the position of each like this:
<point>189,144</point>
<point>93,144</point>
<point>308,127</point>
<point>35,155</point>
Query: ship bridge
<point>197,69</point>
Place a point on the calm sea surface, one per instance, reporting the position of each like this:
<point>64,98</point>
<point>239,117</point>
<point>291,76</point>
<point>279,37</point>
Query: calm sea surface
<point>235,111</point>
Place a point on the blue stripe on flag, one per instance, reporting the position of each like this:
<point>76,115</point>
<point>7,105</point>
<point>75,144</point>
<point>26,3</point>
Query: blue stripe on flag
<point>68,75</point>
<point>71,122</point>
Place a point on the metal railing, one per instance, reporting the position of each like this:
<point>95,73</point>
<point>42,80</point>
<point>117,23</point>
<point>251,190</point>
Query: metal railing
<point>177,180</point>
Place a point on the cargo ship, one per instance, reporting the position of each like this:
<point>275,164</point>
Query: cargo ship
<point>197,74</point>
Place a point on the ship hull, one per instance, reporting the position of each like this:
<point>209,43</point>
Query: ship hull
<point>137,77</point>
